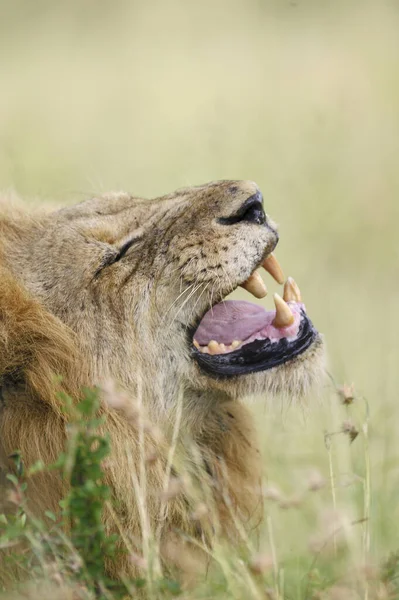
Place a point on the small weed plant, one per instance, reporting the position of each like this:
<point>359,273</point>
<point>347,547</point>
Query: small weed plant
<point>63,555</point>
<point>41,549</point>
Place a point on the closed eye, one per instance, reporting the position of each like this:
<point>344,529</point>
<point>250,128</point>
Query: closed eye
<point>113,257</point>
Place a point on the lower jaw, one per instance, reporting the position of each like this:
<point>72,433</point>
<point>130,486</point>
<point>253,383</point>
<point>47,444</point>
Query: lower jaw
<point>259,355</point>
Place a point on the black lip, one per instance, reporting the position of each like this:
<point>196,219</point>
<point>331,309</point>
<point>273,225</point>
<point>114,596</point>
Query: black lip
<point>259,355</point>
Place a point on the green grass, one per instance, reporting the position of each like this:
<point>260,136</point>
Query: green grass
<point>303,98</point>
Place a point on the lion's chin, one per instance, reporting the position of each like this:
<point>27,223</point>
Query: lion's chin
<point>295,377</point>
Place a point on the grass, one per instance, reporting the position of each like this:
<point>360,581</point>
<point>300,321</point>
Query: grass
<point>303,98</point>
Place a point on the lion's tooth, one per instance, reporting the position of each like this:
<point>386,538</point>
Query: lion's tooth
<point>289,292</point>
<point>235,344</point>
<point>196,344</point>
<point>284,316</point>
<point>297,290</point>
<point>255,286</point>
<point>292,292</point>
<point>272,266</point>
<point>213,347</point>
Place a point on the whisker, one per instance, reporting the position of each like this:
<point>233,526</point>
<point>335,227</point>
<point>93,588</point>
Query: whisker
<point>185,301</point>
<point>179,296</point>
<point>182,269</point>
<point>233,287</point>
<point>198,299</point>
<point>211,298</point>
<point>229,282</point>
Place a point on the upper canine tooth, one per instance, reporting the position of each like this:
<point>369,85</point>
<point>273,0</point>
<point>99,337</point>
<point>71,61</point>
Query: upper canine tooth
<point>292,292</point>
<point>272,266</point>
<point>284,316</point>
<point>255,286</point>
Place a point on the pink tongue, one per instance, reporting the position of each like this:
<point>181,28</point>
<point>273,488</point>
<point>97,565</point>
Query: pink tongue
<point>231,320</point>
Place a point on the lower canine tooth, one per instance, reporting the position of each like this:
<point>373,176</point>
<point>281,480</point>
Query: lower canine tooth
<point>255,286</point>
<point>296,288</point>
<point>291,291</point>
<point>284,316</point>
<point>196,344</point>
<point>272,266</point>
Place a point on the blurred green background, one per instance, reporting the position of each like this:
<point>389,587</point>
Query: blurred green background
<point>303,98</point>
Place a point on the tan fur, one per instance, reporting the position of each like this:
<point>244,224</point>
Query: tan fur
<point>67,309</point>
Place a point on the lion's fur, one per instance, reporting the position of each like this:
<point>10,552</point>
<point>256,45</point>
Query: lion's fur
<point>77,301</point>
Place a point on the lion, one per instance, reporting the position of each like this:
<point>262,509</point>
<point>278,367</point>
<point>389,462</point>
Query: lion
<point>132,291</point>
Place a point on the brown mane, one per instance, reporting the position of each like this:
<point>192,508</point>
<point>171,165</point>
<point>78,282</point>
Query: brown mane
<point>35,345</point>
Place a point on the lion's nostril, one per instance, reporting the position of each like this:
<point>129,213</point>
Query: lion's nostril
<point>250,212</point>
<point>254,214</point>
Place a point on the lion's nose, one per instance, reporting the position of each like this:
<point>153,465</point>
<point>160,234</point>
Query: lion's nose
<point>251,211</point>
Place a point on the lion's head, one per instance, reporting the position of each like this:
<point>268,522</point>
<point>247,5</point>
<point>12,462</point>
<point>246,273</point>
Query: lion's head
<point>142,284</point>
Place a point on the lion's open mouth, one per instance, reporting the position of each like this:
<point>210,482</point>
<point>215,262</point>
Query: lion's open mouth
<point>238,337</point>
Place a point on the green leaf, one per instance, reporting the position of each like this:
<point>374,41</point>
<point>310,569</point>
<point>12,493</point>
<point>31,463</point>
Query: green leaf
<point>50,515</point>
<point>23,520</point>
<point>37,467</point>
<point>13,478</point>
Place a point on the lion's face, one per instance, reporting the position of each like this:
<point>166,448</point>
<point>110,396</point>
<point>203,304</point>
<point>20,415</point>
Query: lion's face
<point>143,285</point>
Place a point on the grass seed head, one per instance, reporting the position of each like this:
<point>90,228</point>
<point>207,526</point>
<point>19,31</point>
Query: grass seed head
<point>350,429</point>
<point>315,481</point>
<point>347,393</point>
<point>138,561</point>
<point>271,492</point>
<point>175,487</point>
<point>200,511</point>
<point>260,564</point>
